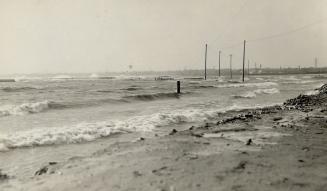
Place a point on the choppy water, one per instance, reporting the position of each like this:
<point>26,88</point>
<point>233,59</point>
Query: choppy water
<point>43,118</point>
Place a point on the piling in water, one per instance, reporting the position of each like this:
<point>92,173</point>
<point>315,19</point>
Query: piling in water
<point>178,87</point>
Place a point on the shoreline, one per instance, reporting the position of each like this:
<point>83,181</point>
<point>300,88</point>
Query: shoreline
<point>271,148</point>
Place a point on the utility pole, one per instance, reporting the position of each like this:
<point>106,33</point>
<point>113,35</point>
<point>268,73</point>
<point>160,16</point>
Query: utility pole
<point>230,65</point>
<point>219,64</point>
<point>316,62</point>
<point>243,60</point>
<point>205,63</point>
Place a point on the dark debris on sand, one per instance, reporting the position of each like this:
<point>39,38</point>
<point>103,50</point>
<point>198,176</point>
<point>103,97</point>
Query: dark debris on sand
<point>3,176</point>
<point>45,169</point>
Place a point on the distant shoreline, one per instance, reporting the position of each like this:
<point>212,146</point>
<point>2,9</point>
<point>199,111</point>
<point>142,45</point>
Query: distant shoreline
<point>190,72</point>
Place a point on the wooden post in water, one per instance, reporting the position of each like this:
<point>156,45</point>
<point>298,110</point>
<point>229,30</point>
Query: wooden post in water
<point>178,87</point>
<point>219,64</point>
<point>230,65</point>
<point>205,63</point>
<point>243,60</point>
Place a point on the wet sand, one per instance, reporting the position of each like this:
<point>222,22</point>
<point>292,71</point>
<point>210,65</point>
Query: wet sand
<point>274,148</point>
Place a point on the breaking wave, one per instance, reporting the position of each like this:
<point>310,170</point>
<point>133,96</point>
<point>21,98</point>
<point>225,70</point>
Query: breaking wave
<point>253,94</point>
<point>42,106</point>
<point>94,75</point>
<point>300,82</point>
<point>290,78</point>
<point>62,77</point>
<point>151,97</point>
<point>312,92</point>
<point>27,78</point>
<point>86,132</point>
<point>29,108</point>
<point>51,136</point>
<point>260,84</point>
<point>130,78</point>
<point>266,91</point>
<point>247,95</point>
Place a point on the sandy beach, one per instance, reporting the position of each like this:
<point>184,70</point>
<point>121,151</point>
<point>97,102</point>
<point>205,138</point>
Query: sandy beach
<point>272,148</point>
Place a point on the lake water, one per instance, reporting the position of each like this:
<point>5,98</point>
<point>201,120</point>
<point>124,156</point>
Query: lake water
<point>54,118</point>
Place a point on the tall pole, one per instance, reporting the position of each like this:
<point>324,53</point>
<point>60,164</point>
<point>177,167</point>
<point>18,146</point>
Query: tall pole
<point>205,64</point>
<point>230,65</point>
<point>243,60</point>
<point>219,63</point>
<point>316,62</point>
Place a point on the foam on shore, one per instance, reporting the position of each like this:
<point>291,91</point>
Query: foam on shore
<point>253,94</point>
<point>259,84</point>
<point>85,132</point>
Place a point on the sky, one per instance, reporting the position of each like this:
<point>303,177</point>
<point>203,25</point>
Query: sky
<point>88,36</point>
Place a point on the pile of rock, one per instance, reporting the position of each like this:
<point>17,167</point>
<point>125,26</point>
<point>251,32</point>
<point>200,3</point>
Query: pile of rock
<point>303,101</point>
<point>322,89</point>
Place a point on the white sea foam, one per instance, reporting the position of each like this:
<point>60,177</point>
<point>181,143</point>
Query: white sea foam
<point>313,92</point>
<point>61,78</point>
<point>299,82</point>
<point>246,95</point>
<point>50,136</point>
<point>85,132</point>
<point>318,85</point>
<point>291,78</point>
<point>26,78</point>
<point>25,108</point>
<point>220,79</point>
<point>266,91</point>
<point>94,76</point>
<point>3,147</point>
<point>253,94</point>
<point>260,84</point>
<point>132,78</point>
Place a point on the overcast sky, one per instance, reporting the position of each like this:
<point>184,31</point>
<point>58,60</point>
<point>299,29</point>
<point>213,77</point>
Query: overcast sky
<point>108,35</point>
